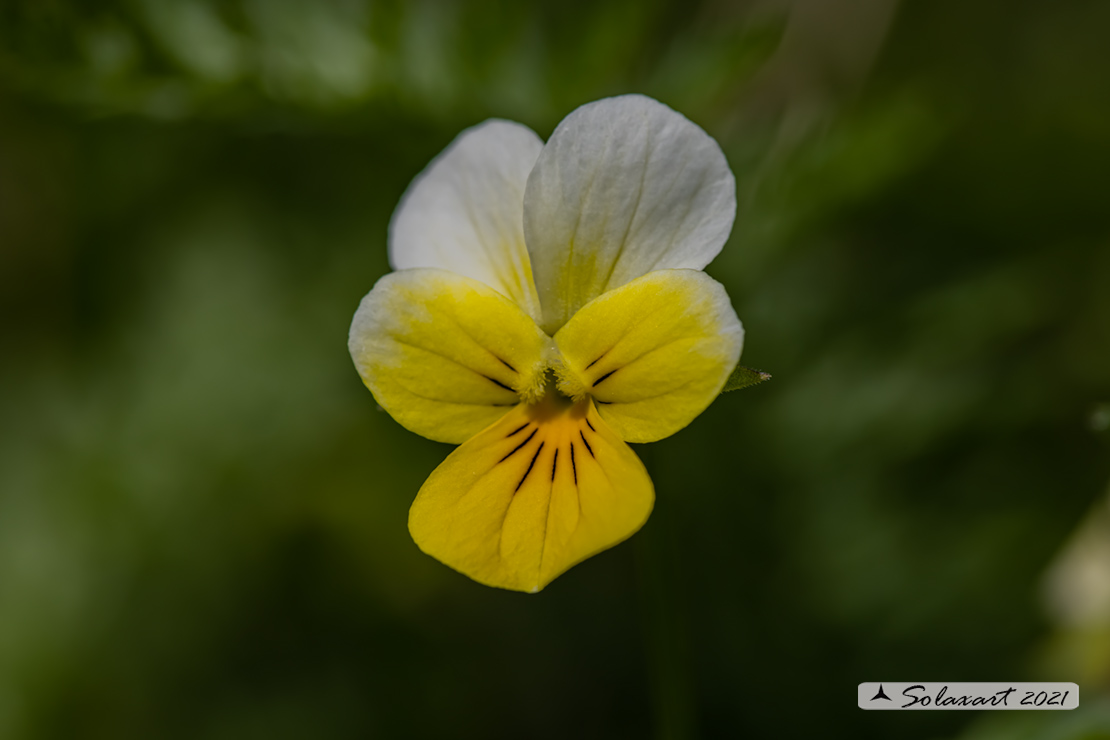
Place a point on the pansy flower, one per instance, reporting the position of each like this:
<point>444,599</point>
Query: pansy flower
<point>548,307</point>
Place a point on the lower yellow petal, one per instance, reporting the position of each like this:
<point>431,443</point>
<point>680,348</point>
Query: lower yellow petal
<point>544,488</point>
<point>446,355</point>
<point>653,353</point>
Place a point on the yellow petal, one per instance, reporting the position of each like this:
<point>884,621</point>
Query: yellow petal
<point>539,491</point>
<point>445,355</point>
<point>654,353</point>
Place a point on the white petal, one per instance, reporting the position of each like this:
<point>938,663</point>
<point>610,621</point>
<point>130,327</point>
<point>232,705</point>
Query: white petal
<point>464,212</point>
<point>624,186</point>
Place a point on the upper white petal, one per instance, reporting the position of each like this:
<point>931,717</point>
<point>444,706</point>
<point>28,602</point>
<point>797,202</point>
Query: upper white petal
<point>464,212</point>
<point>624,186</point>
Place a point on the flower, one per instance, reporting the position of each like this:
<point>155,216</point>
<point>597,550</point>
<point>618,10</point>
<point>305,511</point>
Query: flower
<point>548,306</point>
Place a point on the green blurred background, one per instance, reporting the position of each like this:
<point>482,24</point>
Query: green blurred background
<point>203,514</point>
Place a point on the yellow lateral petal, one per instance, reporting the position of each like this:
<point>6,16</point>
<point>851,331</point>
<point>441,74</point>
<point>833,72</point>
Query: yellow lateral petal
<point>539,491</point>
<point>445,355</point>
<point>654,353</point>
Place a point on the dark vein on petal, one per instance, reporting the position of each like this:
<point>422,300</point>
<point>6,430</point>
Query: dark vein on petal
<point>433,399</point>
<point>479,345</point>
<point>554,463</point>
<point>640,356</point>
<point>591,426</point>
<point>502,385</point>
<point>598,359</point>
<point>530,466</point>
<point>676,389</point>
<point>572,464</point>
<point>657,348</point>
<point>598,381</point>
<point>588,448</point>
<point>515,449</point>
<point>517,430</point>
<point>452,360</point>
<point>578,500</point>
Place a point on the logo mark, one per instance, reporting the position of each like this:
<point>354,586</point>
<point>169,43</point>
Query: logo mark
<point>881,695</point>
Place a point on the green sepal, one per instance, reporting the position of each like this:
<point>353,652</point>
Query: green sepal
<point>743,377</point>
